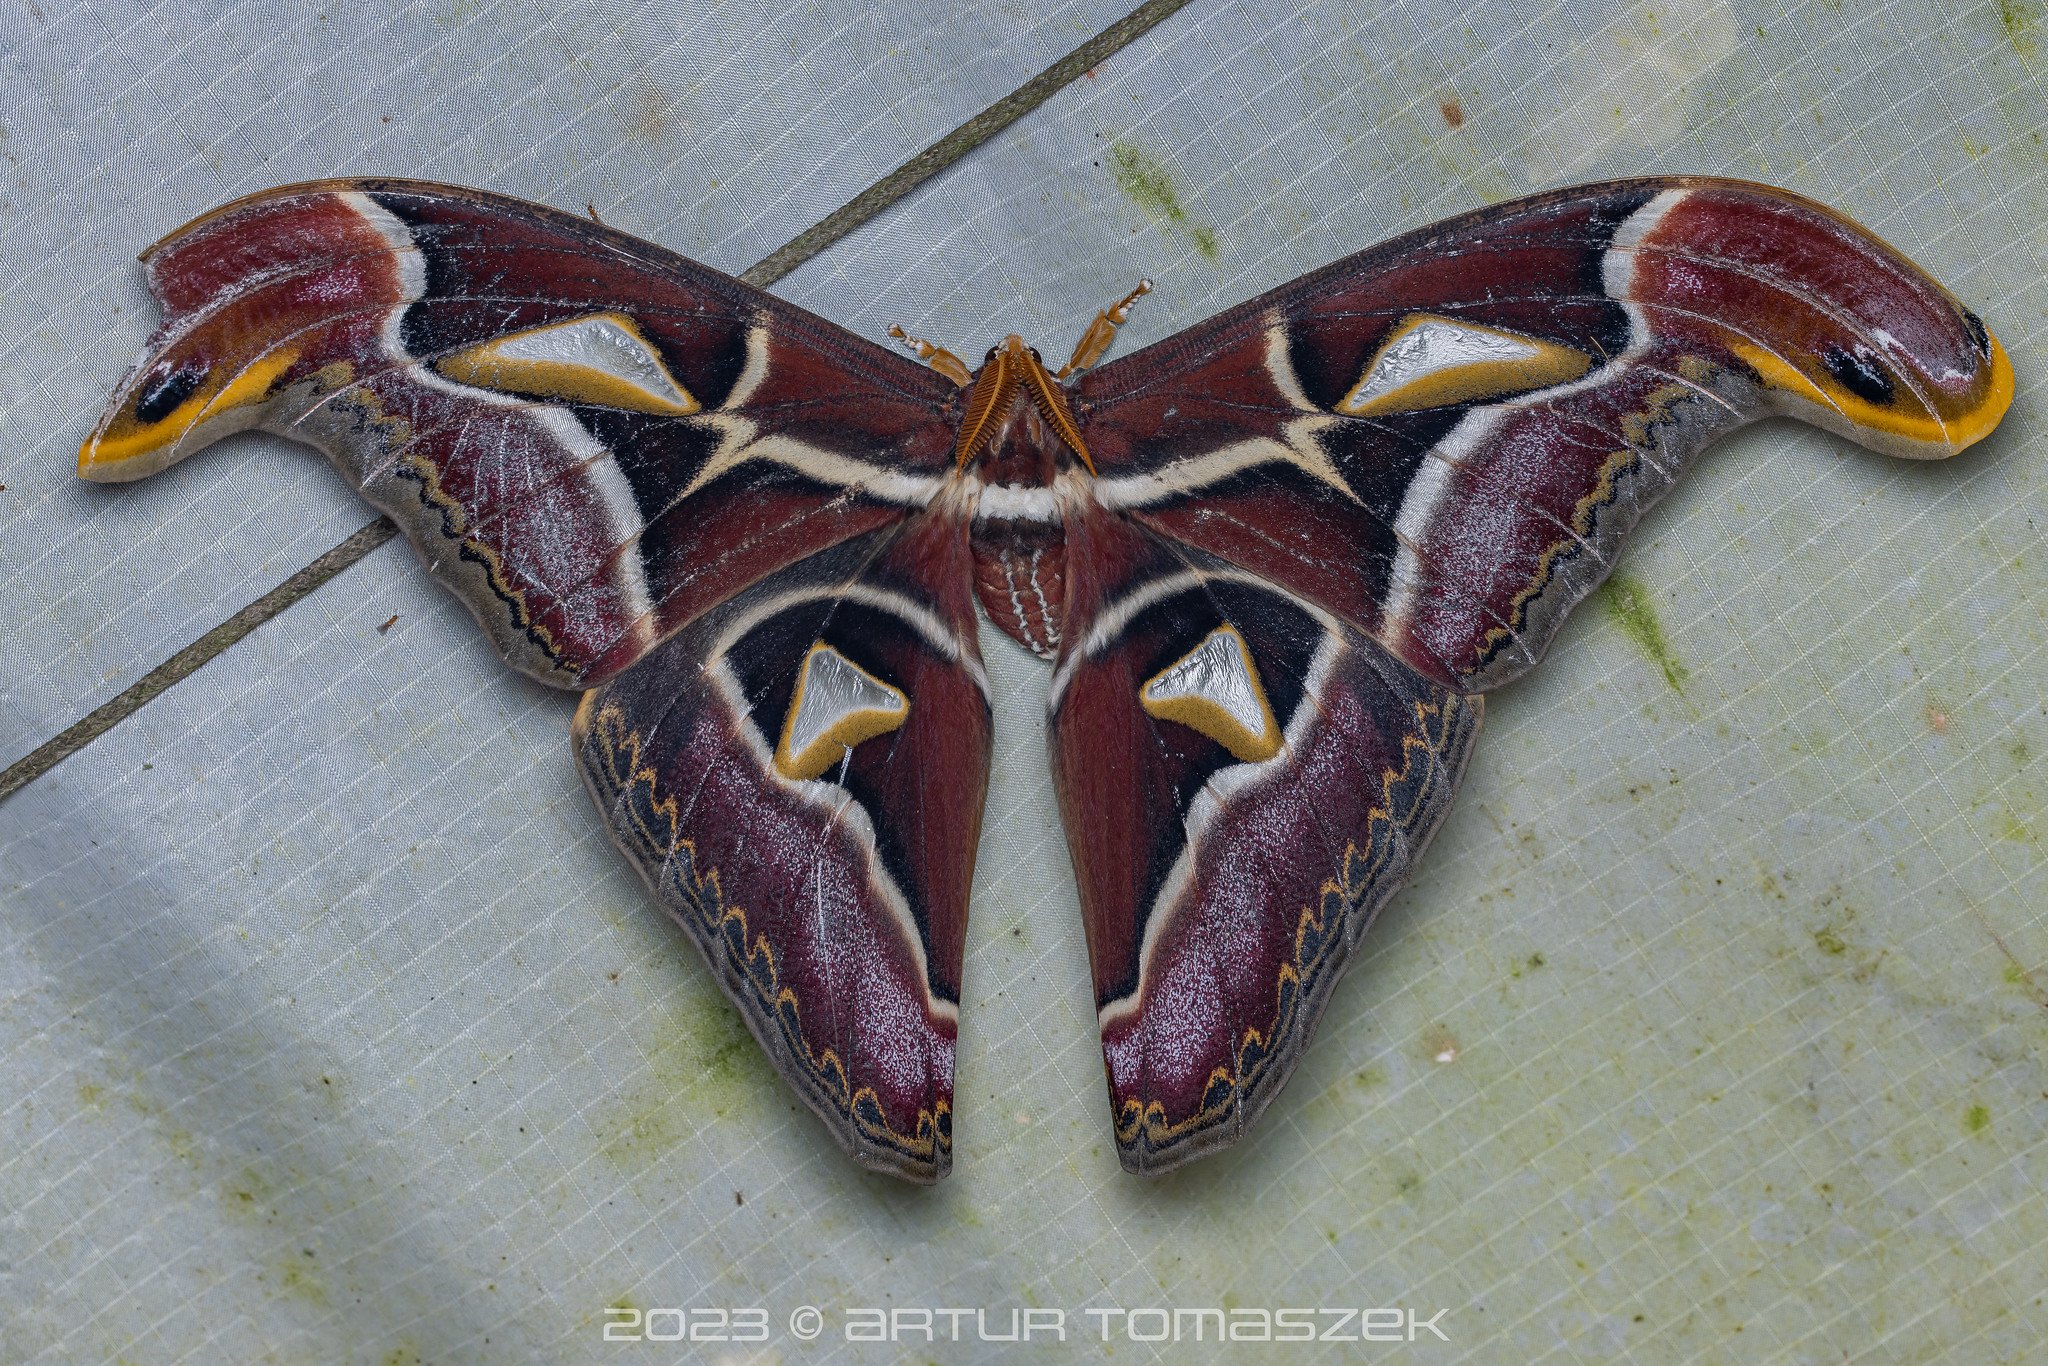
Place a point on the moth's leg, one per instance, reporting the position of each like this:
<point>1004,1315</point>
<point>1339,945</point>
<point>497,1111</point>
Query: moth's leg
<point>1101,333</point>
<point>938,357</point>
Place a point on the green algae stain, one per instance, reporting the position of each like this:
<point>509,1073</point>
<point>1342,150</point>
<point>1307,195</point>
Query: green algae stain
<point>1150,186</point>
<point>1339,1097</point>
<point>1629,606</point>
<point>703,1065</point>
<point>1976,1119</point>
<point>1827,941</point>
<point>300,1278</point>
<point>2009,826</point>
<point>251,1193</point>
<point>2018,20</point>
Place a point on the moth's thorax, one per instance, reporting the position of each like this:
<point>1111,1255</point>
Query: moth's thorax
<point>1023,455</point>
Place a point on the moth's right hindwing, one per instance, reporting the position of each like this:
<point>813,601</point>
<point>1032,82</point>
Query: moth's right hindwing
<point>1245,779</point>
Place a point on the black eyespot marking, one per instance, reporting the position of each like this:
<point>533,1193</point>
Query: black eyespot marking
<point>1978,333</point>
<point>1859,372</point>
<point>161,394</point>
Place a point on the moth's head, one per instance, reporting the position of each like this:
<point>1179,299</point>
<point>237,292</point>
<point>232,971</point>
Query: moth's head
<point>1013,348</point>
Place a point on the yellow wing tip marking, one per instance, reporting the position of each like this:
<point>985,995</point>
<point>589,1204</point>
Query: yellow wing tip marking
<point>599,358</point>
<point>1988,412</point>
<point>1910,430</point>
<point>122,448</point>
<point>1472,361</point>
<point>1187,692</point>
<point>865,708</point>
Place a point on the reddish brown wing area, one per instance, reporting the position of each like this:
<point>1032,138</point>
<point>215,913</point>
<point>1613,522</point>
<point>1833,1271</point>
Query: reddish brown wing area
<point>582,519</point>
<point>1223,895</point>
<point>833,908</point>
<point>1457,511</point>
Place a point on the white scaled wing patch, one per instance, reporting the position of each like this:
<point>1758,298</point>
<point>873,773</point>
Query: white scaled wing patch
<point>1214,689</point>
<point>1430,362</point>
<point>836,705</point>
<point>601,359</point>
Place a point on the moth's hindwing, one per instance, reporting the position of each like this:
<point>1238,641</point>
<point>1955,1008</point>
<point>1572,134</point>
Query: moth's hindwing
<point>589,439</point>
<point>799,776</point>
<point>1444,439</point>
<point>1245,779</point>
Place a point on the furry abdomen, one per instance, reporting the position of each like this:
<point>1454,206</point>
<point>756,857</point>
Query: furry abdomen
<point>1020,574</point>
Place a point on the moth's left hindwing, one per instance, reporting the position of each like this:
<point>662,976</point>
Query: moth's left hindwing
<point>589,439</point>
<point>799,776</point>
<point>1245,779</point>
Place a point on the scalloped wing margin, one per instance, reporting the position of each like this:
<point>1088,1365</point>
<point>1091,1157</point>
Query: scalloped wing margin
<point>830,901</point>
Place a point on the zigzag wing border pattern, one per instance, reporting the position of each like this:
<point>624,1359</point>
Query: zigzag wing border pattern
<point>746,963</point>
<point>832,901</point>
<point>1413,800</point>
<point>1224,886</point>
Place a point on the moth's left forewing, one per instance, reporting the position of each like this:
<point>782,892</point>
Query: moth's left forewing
<point>1245,779</point>
<point>799,776</point>
<point>590,440</point>
<point>1444,439</point>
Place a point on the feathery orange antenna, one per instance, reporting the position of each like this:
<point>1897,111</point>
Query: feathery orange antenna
<point>989,400</point>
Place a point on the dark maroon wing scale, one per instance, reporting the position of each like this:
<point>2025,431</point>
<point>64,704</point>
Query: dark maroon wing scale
<point>1390,480</point>
<point>1649,316</point>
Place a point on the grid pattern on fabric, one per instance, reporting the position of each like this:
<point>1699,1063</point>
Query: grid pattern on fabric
<point>332,1027</point>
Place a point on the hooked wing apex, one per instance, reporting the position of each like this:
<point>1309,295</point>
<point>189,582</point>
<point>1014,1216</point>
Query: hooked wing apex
<point>1445,438</point>
<point>589,439</point>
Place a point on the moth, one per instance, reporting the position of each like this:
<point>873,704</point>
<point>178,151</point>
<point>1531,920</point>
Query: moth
<point>1275,561</point>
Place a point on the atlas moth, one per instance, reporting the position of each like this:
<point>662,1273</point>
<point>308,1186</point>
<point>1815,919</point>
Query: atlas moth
<point>1274,561</point>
